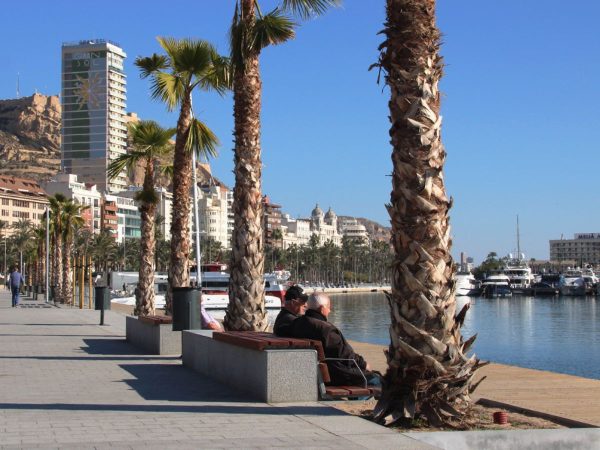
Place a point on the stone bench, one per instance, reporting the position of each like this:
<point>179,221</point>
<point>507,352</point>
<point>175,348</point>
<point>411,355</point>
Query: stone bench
<point>272,374</point>
<point>270,368</point>
<point>153,334</point>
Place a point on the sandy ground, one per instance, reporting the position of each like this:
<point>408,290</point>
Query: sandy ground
<point>481,418</point>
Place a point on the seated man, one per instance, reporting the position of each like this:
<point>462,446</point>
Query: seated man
<point>314,325</point>
<point>293,307</point>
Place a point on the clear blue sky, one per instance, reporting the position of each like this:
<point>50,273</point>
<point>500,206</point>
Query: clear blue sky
<point>520,106</point>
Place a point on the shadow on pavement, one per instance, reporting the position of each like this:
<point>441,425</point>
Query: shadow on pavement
<point>114,346</point>
<point>173,382</point>
<point>207,409</point>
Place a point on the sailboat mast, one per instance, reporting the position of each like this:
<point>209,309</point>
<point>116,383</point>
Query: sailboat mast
<point>518,241</point>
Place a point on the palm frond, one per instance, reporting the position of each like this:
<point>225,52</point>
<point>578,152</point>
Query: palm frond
<point>147,196</point>
<point>151,64</point>
<point>123,162</point>
<point>169,88</point>
<point>167,170</point>
<point>238,39</point>
<point>201,139</point>
<point>272,29</point>
<point>309,8</point>
<point>219,76</point>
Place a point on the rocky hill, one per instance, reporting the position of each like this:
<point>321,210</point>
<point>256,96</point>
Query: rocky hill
<point>30,136</point>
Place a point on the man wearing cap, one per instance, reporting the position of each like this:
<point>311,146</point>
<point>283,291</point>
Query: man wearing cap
<point>293,307</point>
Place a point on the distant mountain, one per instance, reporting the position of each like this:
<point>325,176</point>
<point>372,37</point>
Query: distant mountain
<point>30,136</point>
<point>377,231</point>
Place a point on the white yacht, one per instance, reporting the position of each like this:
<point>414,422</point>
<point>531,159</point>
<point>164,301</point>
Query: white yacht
<point>496,285</point>
<point>520,276</point>
<point>466,284</point>
<point>579,282</point>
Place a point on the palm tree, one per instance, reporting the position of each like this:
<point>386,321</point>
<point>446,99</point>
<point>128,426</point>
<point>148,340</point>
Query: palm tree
<point>23,235</point>
<point>104,251</point>
<point>71,221</point>
<point>150,144</point>
<point>251,32</point>
<point>428,374</point>
<point>3,227</point>
<point>56,215</point>
<point>188,64</point>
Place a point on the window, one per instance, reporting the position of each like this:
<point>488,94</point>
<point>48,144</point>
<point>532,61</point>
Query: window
<point>5,201</point>
<point>5,212</point>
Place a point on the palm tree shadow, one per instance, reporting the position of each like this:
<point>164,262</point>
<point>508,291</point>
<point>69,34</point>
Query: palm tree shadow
<point>173,382</point>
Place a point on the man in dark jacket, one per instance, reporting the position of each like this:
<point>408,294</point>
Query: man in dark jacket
<point>293,307</point>
<point>314,325</point>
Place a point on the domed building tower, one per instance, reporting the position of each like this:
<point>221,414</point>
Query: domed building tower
<point>331,218</point>
<point>316,218</point>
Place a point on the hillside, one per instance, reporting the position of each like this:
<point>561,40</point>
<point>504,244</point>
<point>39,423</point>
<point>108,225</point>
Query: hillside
<point>30,136</point>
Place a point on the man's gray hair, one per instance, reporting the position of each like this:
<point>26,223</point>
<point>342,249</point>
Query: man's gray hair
<point>316,300</point>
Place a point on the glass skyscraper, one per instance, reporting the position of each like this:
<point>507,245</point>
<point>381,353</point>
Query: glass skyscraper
<point>94,130</point>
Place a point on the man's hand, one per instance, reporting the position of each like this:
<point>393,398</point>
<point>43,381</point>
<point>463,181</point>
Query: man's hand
<point>368,367</point>
<point>215,326</point>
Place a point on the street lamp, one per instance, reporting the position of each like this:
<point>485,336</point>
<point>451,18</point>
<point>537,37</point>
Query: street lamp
<point>47,253</point>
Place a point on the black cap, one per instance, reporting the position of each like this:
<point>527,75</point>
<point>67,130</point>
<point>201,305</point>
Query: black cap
<point>295,293</point>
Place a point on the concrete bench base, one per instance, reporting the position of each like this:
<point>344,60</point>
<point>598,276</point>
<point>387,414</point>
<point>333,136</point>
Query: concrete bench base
<point>156,339</point>
<point>271,376</point>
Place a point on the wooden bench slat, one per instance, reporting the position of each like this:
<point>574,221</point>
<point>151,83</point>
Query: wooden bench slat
<point>336,391</point>
<point>156,320</point>
<point>324,372</point>
<point>356,390</point>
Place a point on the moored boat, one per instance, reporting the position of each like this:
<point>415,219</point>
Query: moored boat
<point>496,285</point>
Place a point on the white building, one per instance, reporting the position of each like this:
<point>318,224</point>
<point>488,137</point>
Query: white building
<point>324,226</point>
<point>163,207</point>
<point>94,130</point>
<point>350,228</point>
<point>83,193</point>
<point>213,210</point>
<point>295,231</point>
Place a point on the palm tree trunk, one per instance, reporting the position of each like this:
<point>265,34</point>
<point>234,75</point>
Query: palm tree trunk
<point>58,268</point>
<point>67,287</point>
<point>180,235</point>
<point>144,299</point>
<point>428,373</point>
<point>246,310</point>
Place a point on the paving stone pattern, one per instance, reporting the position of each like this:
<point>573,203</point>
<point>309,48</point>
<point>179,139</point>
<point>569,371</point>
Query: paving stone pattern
<point>66,382</point>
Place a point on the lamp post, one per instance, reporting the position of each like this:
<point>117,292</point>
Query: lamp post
<point>47,253</point>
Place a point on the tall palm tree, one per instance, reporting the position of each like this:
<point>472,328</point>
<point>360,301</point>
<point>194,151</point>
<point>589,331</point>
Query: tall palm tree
<point>187,65</point>
<point>251,32</point>
<point>23,235</point>
<point>3,229</point>
<point>71,221</point>
<point>104,251</point>
<point>150,145</point>
<point>429,374</point>
<point>57,202</point>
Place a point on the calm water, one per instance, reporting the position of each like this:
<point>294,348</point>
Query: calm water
<point>556,334</point>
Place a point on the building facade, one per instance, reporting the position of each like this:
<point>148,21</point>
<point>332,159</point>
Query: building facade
<point>213,213</point>
<point>271,223</point>
<point>352,229</point>
<point>584,248</point>
<point>324,226</point>
<point>21,199</point>
<point>85,194</point>
<point>94,130</point>
<point>129,221</point>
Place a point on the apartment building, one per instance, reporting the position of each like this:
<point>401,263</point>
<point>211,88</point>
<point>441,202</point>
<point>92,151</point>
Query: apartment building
<point>21,199</point>
<point>94,130</point>
<point>584,248</point>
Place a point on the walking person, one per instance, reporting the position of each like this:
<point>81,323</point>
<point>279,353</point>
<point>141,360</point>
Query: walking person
<point>16,279</point>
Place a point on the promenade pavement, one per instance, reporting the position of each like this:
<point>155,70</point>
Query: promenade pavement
<point>66,382</point>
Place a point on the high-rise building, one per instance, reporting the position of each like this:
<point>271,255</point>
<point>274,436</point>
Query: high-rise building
<point>94,130</point>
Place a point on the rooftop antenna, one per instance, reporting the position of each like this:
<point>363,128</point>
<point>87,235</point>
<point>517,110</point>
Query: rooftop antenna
<point>18,90</point>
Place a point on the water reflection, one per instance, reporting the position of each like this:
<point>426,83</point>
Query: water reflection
<point>557,334</point>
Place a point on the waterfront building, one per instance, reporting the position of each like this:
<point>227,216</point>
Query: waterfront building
<point>295,231</point>
<point>83,193</point>
<point>129,221</point>
<point>213,212</point>
<point>21,199</point>
<point>94,130</point>
<point>352,229</point>
<point>584,248</point>
<point>271,222</point>
<point>109,219</point>
<point>163,208</point>
<point>324,226</point>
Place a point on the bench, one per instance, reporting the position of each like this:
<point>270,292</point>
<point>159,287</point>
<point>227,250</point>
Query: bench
<point>261,341</point>
<point>271,368</point>
<point>153,334</point>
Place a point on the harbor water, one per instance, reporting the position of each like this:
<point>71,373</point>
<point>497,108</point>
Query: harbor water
<point>559,334</point>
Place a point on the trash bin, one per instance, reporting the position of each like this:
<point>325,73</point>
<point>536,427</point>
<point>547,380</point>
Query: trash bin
<point>52,293</point>
<point>186,312</point>
<point>101,298</point>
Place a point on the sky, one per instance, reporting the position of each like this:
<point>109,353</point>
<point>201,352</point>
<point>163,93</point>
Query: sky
<point>520,105</point>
